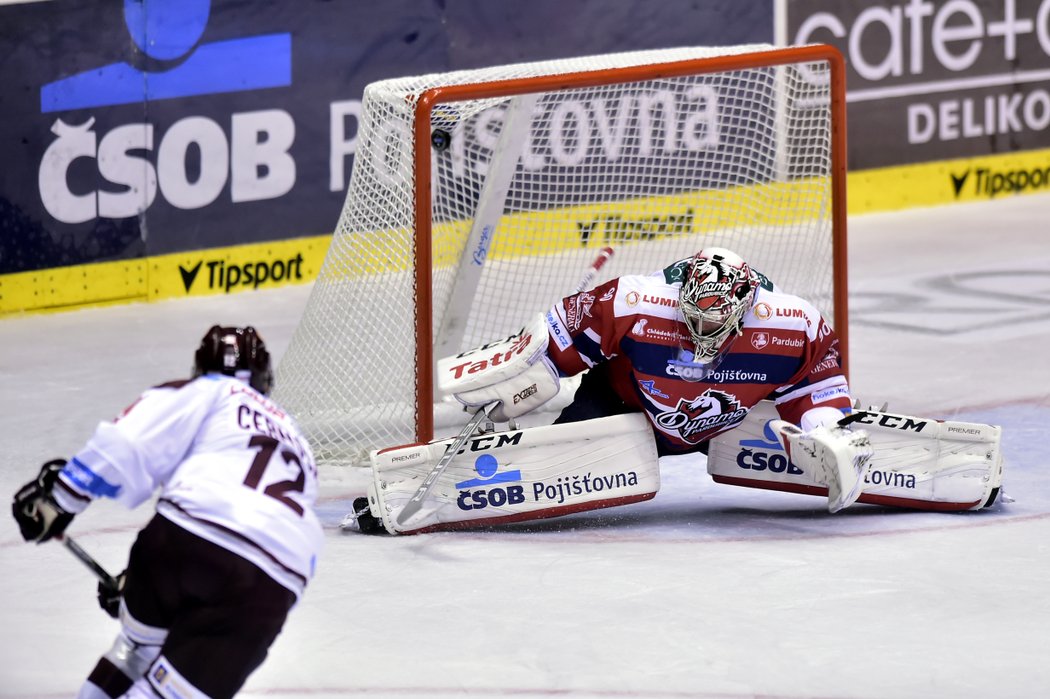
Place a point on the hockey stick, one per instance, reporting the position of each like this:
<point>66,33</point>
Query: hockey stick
<point>88,560</point>
<point>416,501</point>
<point>603,256</point>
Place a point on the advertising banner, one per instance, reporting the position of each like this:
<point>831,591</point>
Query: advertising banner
<point>935,81</point>
<point>134,130</point>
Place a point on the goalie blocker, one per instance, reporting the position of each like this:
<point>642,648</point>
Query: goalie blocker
<point>514,371</point>
<point>518,475</point>
<point>918,463</point>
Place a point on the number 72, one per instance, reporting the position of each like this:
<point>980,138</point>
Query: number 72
<point>279,490</point>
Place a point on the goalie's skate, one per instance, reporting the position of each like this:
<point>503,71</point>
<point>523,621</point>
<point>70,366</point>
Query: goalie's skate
<point>840,458</point>
<point>362,520</point>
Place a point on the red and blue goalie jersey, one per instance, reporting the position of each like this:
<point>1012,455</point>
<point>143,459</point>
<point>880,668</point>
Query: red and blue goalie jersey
<point>786,352</point>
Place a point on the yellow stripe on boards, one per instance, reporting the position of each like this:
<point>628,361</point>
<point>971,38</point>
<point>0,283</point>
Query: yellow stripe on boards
<point>299,260</point>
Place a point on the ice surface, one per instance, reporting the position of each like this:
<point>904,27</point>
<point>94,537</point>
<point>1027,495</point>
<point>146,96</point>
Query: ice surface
<point>706,591</point>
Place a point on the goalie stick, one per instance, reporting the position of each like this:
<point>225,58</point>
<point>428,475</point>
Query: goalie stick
<point>416,502</point>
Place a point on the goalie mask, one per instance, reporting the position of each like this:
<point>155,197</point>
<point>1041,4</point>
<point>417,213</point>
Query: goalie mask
<point>713,299</point>
<point>238,352</point>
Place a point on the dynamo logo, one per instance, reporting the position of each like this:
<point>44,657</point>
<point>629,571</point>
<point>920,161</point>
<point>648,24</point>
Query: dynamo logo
<point>167,32</point>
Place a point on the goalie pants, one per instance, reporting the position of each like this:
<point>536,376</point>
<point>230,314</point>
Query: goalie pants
<point>221,612</point>
<point>595,397</point>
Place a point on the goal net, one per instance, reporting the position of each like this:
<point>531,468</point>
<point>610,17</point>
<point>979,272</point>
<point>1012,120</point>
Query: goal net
<point>478,198</point>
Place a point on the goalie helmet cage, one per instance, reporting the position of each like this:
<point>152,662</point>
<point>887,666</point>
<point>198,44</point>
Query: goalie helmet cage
<point>478,198</point>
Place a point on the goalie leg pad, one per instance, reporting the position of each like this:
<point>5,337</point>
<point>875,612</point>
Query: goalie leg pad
<point>918,463</point>
<point>519,475</point>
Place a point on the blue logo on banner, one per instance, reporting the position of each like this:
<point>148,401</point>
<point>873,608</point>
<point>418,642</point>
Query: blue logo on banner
<point>486,467</point>
<point>168,30</point>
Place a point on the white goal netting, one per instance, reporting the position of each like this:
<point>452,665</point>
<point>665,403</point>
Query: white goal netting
<point>531,169</point>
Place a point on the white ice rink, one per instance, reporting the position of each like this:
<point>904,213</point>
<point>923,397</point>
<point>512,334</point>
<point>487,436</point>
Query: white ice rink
<point>706,591</point>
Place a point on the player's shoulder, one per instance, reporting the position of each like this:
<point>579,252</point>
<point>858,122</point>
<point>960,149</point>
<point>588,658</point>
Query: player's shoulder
<point>168,396</point>
<point>205,387</point>
<point>775,308</point>
<point>173,385</point>
<point>197,384</point>
<point>645,295</point>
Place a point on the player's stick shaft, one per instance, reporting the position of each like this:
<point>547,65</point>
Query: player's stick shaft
<point>88,560</point>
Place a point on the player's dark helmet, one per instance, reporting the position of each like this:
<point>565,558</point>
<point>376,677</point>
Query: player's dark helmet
<point>238,352</point>
<point>714,298</point>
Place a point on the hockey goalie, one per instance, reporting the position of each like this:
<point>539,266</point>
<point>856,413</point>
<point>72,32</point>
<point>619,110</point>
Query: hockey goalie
<point>706,355</point>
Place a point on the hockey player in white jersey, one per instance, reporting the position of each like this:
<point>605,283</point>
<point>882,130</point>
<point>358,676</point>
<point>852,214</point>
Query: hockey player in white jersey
<point>211,578</point>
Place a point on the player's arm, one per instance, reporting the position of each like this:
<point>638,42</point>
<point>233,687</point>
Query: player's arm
<point>582,329</point>
<point>818,394</point>
<point>124,459</point>
<point>522,372</point>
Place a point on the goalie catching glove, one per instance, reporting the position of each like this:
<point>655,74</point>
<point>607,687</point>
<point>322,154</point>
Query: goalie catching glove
<point>515,371</point>
<point>840,458</point>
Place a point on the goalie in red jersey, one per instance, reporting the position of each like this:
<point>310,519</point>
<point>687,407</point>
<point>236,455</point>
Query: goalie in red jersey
<point>674,362</point>
<point>695,347</point>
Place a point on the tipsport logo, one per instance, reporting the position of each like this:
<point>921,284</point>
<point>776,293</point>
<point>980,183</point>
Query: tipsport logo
<point>479,493</point>
<point>135,163</point>
<point>992,183</point>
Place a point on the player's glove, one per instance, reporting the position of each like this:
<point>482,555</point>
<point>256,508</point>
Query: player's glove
<point>109,596</point>
<point>38,515</point>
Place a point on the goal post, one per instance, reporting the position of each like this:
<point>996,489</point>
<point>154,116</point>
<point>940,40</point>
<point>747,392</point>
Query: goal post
<point>479,197</point>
